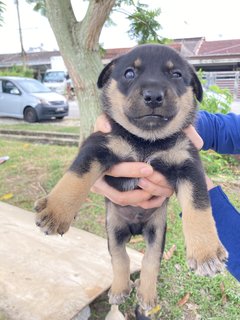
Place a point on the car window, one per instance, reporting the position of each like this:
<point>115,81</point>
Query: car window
<point>33,86</point>
<point>55,76</point>
<point>9,87</point>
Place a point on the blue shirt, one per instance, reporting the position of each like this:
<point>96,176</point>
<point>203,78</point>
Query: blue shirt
<point>219,132</point>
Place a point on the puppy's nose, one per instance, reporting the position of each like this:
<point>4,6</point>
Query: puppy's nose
<point>153,98</point>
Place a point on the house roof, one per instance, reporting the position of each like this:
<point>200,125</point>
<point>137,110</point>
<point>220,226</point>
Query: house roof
<point>192,48</point>
<point>32,58</point>
<point>189,46</point>
<point>221,47</point>
<point>113,53</point>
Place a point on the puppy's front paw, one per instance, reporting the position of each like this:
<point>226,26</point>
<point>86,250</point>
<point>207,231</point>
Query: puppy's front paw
<point>52,219</point>
<point>146,294</point>
<point>118,293</point>
<point>212,263</point>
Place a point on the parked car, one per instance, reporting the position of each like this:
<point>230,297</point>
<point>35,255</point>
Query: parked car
<point>30,100</point>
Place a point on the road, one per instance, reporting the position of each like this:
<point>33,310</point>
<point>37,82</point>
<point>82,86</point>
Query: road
<point>73,109</point>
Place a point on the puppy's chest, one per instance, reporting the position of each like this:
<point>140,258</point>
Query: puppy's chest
<point>171,152</point>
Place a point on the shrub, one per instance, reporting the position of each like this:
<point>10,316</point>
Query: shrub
<point>18,71</point>
<point>215,99</point>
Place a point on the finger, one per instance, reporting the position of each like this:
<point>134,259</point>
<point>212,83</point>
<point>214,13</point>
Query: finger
<point>102,124</point>
<point>194,137</point>
<point>130,170</point>
<point>159,179</point>
<point>154,202</point>
<point>121,198</point>
<point>155,189</point>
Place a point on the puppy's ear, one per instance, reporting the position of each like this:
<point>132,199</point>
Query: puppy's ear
<point>106,74</point>
<point>197,86</point>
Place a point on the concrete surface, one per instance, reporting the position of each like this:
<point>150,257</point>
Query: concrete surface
<point>50,277</point>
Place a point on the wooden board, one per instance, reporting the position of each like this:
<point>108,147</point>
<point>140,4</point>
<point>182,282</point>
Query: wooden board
<point>50,277</point>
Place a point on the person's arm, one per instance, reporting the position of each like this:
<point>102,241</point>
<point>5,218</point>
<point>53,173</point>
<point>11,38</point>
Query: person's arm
<point>227,220</point>
<point>219,132</point>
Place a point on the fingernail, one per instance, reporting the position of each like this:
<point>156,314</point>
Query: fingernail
<point>146,170</point>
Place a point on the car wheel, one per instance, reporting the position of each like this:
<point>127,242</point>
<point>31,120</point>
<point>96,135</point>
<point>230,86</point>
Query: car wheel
<point>30,115</point>
<point>59,118</point>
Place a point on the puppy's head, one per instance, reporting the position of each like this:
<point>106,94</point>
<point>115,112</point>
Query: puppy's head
<point>150,91</point>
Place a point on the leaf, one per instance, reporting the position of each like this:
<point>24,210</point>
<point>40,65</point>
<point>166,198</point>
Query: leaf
<point>154,310</point>
<point>184,300</point>
<point>6,196</point>
<point>168,255</point>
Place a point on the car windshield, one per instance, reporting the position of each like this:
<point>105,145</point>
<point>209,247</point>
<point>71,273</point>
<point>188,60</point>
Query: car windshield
<point>33,86</point>
<point>54,76</point>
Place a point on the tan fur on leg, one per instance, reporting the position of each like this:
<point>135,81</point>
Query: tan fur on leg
<point>121,285</point>
<point>57,211</point>
<point>147,285</point>
<point>205,253</point>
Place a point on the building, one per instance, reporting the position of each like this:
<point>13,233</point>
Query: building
<point>219,60</point>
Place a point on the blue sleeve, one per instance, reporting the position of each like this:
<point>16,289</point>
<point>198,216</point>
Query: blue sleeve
<point>227,220</point>
<point>219,132</point>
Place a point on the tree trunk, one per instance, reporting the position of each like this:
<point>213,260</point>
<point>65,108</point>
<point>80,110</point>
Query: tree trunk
<point>78,44</point>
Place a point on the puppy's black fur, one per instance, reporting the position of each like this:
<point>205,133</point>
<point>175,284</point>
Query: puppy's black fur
<point>149,96</point>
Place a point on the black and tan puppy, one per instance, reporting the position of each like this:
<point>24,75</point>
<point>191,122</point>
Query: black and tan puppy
<point>149,96</point>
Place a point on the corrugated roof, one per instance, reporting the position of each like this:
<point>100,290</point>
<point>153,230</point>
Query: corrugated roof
<point>32,58</point>
<point>192,47</point>
<point>221,47</point>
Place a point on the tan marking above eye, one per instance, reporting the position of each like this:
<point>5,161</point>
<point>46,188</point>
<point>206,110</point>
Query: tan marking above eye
<point>137,63</point>
<point>169,64</point>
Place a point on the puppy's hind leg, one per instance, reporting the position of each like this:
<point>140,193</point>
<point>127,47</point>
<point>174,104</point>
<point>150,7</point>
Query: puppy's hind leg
<point>118,235</point>
<point>154,234</point>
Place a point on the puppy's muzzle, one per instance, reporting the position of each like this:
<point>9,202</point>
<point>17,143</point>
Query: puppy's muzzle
<point>153,98</point>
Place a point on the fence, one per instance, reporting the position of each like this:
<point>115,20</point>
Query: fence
<point>229,80</point>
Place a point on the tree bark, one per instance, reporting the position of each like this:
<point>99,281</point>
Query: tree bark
<point>79,47</point>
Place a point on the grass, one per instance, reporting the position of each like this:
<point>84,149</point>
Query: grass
<point>49,126</point>
<point>33,170</point>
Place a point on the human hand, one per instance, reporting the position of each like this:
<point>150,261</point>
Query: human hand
<point>154,186</point>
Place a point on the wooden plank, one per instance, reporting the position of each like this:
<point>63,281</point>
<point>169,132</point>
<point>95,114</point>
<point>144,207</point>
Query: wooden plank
<point>50,277</point>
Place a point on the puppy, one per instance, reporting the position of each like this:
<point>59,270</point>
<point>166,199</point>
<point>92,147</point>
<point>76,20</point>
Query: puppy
<point>149,96</point>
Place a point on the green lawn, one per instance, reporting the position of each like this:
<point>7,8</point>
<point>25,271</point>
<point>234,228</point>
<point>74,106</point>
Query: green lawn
<point>33,170</point>
<point>50,126</point>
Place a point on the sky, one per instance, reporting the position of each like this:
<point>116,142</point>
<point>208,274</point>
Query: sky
<point>212,19</point>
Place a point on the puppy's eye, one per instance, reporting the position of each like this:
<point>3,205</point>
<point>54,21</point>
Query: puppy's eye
<point>129,74</point>
<point>176,74</point>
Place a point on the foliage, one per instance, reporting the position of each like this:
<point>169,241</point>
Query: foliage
<point>215,163</point>
<point>215,99</point>
<point>18,71</point>
<point>40,6</point>
<point>143,24</point>
<point>2,9</point>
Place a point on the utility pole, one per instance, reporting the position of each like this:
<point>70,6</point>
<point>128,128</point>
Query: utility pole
<point>23,53</point>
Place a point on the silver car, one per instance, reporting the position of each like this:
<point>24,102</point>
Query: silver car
<point>29,99</point>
